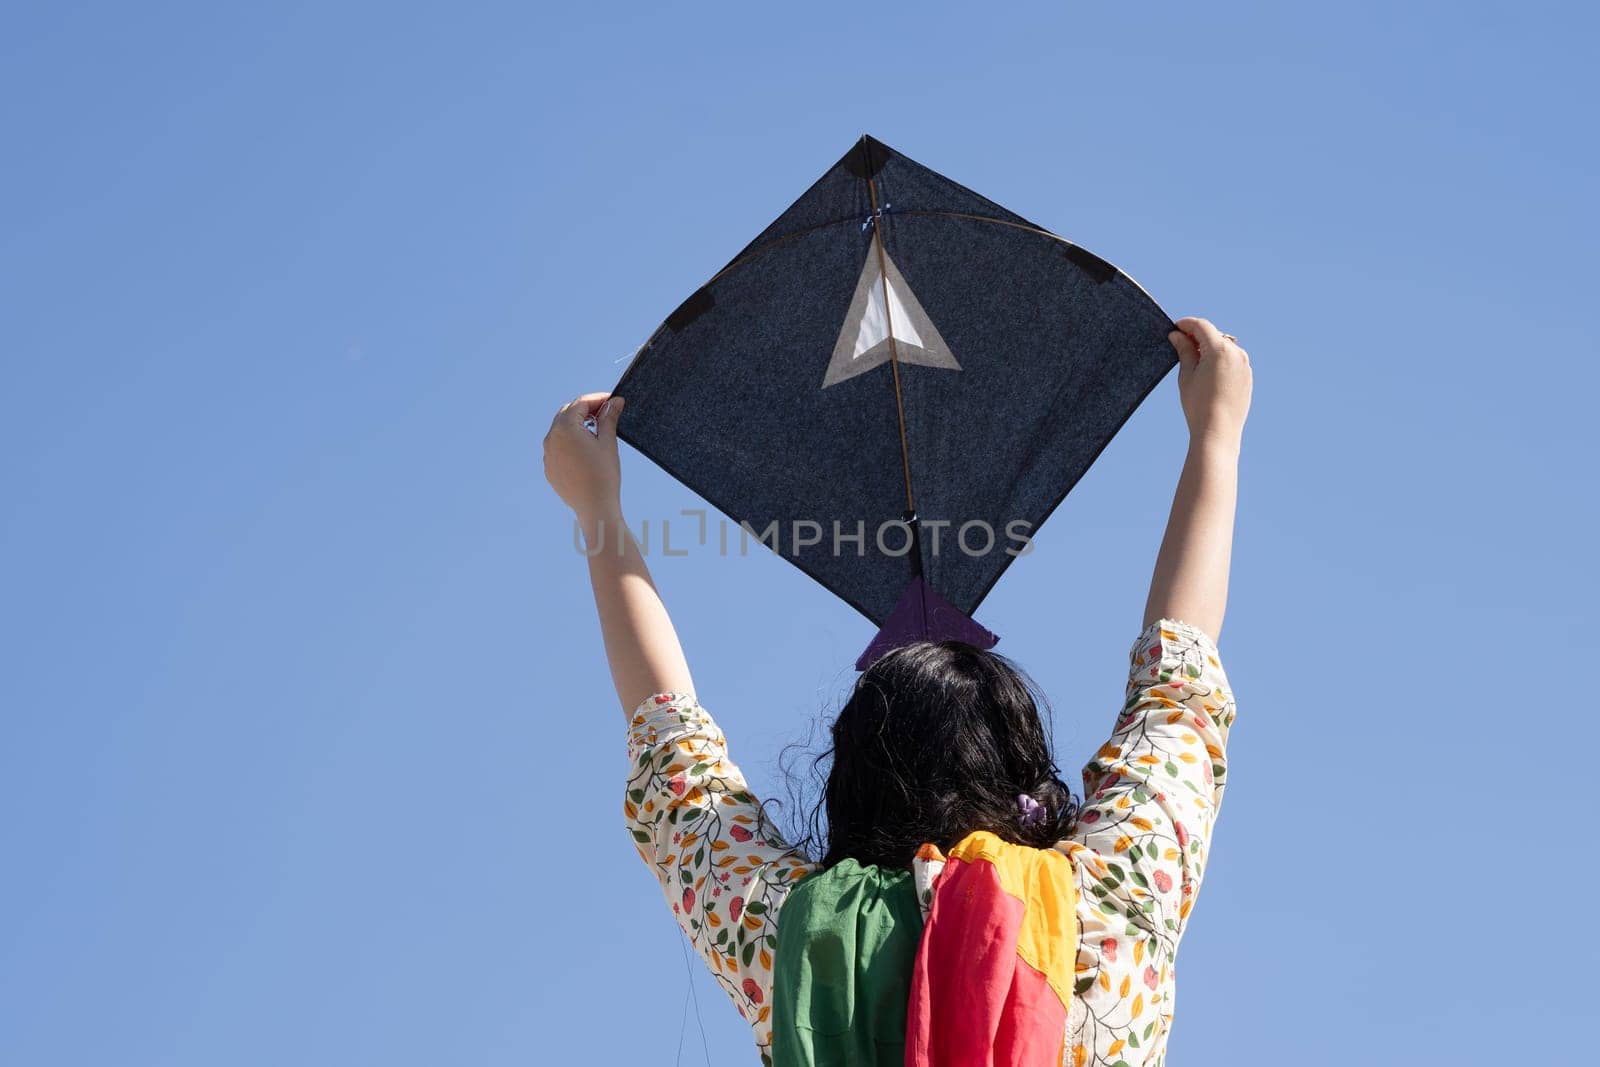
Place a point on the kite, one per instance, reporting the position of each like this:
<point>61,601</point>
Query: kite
<point>894,385</point>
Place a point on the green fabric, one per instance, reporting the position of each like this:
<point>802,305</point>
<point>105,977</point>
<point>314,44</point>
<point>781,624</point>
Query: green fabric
<point>847,939</point>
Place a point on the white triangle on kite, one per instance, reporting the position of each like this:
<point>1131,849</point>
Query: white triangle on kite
<point>876,323</point>
<point>875,328</point>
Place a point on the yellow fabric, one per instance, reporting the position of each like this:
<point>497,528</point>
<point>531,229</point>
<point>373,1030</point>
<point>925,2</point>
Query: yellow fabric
<point>1042,879</point>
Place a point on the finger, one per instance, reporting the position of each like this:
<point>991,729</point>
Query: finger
<point>1204,334</point>
<point>581,408</point>
<point>606,422</point>
<point>1188,352</point>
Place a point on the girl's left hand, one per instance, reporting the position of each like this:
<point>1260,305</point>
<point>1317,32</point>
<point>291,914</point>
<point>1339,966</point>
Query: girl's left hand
<point>582,467</point>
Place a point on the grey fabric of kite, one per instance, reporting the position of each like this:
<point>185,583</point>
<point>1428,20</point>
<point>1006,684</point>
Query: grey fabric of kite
<point>1031,355</point>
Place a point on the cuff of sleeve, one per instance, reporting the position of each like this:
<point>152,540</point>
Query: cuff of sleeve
<point>663,716</point>
<point>1165,636</point>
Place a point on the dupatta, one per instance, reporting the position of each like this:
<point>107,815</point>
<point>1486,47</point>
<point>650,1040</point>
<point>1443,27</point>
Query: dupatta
<point>964,960</point>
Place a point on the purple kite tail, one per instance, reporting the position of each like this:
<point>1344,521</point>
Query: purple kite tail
<point>924,615</point>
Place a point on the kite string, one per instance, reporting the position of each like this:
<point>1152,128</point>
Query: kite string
<point>894,354</point>
<point>689,994</point>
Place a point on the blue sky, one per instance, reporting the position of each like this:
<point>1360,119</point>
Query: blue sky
<point>309,754</point>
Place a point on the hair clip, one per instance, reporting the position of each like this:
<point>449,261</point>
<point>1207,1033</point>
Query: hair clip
<point>1033,812</point>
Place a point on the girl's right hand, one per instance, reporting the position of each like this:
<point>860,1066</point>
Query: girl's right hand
<point>1213,381</point>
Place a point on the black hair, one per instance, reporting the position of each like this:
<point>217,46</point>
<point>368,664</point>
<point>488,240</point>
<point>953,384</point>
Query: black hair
<point>936,740</point>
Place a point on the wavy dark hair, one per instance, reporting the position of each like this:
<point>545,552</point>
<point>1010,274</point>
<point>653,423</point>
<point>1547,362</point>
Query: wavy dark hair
<point>936,740</point>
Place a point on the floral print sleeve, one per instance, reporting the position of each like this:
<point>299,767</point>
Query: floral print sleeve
<point>722,865</point>
<point>1139,845</point>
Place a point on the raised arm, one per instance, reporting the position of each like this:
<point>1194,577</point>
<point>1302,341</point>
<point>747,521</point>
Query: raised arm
<point>641,645</point>
<point>724,869</point>
<point>1191,576</point>
<point>1140,842</point>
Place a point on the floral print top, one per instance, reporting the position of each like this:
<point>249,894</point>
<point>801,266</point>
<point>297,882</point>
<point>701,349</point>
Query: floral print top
<point>1138,846</point>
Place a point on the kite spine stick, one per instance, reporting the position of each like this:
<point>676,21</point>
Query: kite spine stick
<point>916,567</point>
<point>894,355</point>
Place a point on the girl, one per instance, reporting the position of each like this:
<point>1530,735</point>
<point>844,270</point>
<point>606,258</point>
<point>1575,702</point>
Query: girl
<point>942,783</point>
